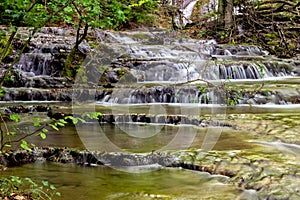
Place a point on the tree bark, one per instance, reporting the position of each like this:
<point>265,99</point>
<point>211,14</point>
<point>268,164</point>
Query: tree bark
<point>221,11</point>
<point>225,10</point>
<point>228,18</point>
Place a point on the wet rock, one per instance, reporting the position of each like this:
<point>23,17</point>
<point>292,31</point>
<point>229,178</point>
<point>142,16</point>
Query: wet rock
<point>57,115</point>
<point>260,99</point>
<point>21,80</point>
<point>289,94</point>
<point>25,109</point>
<point>147,118</point>
<point>18,158</point>
<point>37,95</point>
<point>87,158</point>
<point>119,64</point>
<point>251,101</point>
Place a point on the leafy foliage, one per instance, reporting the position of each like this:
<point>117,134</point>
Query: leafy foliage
<point>95,13</point>
<point>15,187</point>
<point>143,11</point>
<point>15,134</point>
<point>28,13</point>
<point>92,115</point>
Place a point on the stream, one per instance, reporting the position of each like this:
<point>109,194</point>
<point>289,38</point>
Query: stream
<point>106,183</point>
<point>216,108</point>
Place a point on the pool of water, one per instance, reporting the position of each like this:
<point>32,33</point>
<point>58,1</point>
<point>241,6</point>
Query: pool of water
<point>77,182</point>
<point>134,137</point>
<point>274,132</point>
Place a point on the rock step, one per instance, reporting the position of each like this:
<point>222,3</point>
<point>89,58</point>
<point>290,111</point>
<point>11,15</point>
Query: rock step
<point>146,118</point>
<point>155,94</point>
<point>113,159</point>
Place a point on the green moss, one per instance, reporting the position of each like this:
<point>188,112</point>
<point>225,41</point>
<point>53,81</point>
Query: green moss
<point>3,43</point>
<point>81,75</point>
<point>72,64</point>
<point>121,72</point>
<point>141,36</point>
<point>280,49</point>
<point>272,43</point>
<point>102,68</point>
<point>271,35</point>
<point>292,46</point>
<point>103,79</point>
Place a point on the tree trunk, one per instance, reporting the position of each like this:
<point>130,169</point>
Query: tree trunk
<point>221,11</point>
<point>228,18</point>
<point>225,10</point>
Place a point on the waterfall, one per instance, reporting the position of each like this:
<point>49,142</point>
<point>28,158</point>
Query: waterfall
<point>188,10</point>
<point>157,58</point>
<point>39,64</point>
<point>165,95</point>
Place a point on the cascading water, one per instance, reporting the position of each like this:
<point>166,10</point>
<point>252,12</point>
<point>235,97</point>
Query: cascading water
<point>171,61</point>
<point>181,61</point>
<point>154,57</point>
<point>37,64</point>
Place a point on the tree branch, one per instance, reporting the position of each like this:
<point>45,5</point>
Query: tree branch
<point>79,38</point>
<point>9,42</point>
<point>25,136</point>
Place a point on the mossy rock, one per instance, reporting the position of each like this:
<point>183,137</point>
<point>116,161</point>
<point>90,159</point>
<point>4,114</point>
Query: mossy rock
<point>141,36</point>
<point>271,35</point>
<point>273,43</point>
<point>121,72</point>
<point>72,64</point>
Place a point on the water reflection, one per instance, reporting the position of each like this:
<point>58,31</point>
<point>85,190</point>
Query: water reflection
<point>77,182</point>
<point>186,137</point>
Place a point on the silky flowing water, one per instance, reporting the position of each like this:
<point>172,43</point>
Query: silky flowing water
<point>257,139</point>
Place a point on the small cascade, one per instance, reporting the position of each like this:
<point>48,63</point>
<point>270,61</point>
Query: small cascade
<point>37,63</point>
<point>188,10</point>
<point>109,36</point>
<point>44,61</point>
<point>244,71</point>
<point>159,71</point>
<point>193,95</point>
<point>161,94</point>
<point>234,50</point>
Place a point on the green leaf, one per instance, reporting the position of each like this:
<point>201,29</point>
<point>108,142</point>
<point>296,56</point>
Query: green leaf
<point>36,124</point>
<point>52,187</point>
<point>59,124</point>
<point>45,130</point>
<point>92,115</point>
<point>24,145</point>
<point>11,133</point>
<point>82,120</point>
<point>29,180</point>
<point>14,117</point>
<point>63,121</point>
<point>54,127</point>
<point>43,135</point>
<point>74,120</point>
<point>45,183</point>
